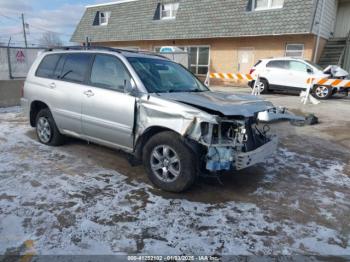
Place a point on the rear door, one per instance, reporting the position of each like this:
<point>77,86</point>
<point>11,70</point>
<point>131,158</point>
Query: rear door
<point>108,112</point>
<point>68,87</point>
<point>276,73</point>
<point>298,74</point>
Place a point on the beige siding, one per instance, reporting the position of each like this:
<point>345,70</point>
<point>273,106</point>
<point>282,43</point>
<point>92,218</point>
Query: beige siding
<point>224,51</point>
<point>328,19</point>
<point>343,19</point>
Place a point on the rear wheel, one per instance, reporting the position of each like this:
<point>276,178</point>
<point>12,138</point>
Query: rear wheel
<point>170,164</point>
<point>46,129</point>
<point>263,86</point>
<point>322,92</point>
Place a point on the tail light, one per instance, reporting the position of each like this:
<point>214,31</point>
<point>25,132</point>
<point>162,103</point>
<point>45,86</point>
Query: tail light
<point>251,71</point>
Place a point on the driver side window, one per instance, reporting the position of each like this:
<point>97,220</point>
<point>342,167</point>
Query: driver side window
<point>109,72</point>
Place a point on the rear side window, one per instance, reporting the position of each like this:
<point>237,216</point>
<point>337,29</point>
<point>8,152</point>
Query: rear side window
<point>47,66</point>
<point>75,67</point>
<point>58,70</point>
<point>278,64</point>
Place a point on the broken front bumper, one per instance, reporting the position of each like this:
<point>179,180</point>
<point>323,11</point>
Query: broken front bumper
<point>259,155</point>
<point>225,158</point>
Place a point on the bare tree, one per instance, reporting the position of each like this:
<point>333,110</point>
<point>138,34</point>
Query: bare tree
<point>50,39</point>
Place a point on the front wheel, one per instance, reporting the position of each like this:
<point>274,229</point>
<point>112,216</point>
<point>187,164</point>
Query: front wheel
<point>322,92</point>
<point>169,163</point>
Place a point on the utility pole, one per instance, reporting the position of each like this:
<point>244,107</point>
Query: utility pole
<point>24,31</point>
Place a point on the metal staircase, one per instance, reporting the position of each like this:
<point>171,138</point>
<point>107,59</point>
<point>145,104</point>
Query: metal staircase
<point>333,52</point>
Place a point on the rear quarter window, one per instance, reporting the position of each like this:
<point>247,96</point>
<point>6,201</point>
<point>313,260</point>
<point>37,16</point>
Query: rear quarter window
<point>278,64</point>
<point>47,66</point>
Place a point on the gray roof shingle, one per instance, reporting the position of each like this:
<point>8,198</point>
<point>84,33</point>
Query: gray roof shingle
<point>195,19</point>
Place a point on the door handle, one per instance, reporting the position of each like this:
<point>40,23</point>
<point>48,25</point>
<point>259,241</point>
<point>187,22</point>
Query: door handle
<point>89,93</point>
<point>52,85</point>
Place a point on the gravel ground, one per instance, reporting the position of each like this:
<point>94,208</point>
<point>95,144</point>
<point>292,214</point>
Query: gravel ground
<point>85,199</point>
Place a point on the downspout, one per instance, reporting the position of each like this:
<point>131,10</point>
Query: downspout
<point>319,31</point>
<point>314,16</point>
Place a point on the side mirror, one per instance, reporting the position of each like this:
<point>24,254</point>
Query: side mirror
<point>129,86</point>
<point>309,71</point>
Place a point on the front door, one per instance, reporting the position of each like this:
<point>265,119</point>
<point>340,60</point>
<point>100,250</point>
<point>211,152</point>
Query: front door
<point>245,59</point>
<point>108,112</point>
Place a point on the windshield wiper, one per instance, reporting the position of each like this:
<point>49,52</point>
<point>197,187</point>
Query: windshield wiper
<point>196,91</point>
<point>183,91</point>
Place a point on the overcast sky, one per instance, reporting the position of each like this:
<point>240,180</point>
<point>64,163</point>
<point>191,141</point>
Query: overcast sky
<point>59,16</point>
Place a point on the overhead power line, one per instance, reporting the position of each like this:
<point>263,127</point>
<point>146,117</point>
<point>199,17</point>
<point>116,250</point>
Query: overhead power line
<point>34,26</point>
<point>47,30</point>
<point>9,17</point>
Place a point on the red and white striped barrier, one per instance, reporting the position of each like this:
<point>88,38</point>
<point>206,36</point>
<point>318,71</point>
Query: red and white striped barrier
<point>231,76</point>
<point>235,77</point>
<point>329,82</point>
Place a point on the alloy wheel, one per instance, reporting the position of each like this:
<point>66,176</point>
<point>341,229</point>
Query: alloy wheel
<point>43,130</point>
<point>260,86</point>
<point>322,91</point>
<point>165,163</point>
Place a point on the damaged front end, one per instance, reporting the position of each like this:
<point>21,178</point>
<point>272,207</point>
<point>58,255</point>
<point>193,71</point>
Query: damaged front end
<point>236,143</point>
<point>230,142</point>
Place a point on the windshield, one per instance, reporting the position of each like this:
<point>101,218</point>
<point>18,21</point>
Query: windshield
<point>163,76</point>
<point>315,65</point>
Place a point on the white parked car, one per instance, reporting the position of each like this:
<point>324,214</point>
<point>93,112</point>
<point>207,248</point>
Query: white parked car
<point>291,74</point>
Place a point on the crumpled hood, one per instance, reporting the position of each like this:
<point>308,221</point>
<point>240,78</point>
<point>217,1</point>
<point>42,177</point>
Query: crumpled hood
<point>227,104</point>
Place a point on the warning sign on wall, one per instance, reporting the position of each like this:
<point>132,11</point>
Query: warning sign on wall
<point>20,57</point>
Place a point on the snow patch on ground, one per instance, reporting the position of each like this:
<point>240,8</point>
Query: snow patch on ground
<point>67,205</point>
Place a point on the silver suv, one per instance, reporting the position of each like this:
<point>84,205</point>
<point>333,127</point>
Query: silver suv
<point>148,106</point>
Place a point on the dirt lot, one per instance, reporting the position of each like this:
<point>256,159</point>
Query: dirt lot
<point>87,199</point>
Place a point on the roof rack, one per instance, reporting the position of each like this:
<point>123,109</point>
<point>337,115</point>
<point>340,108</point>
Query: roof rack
<point>82,48</point>
<point>112,49</point>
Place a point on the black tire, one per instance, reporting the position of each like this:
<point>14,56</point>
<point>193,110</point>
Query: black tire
<point>264,84</point>
<point>186,166</point>
<point>54,138</point>
<point>322,92</point>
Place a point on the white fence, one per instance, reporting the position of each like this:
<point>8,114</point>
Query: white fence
<point>15,62</point>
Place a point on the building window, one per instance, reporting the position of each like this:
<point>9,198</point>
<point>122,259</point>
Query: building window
<point>199,60</point>
<point>169,11</point>
<point>295,50</point>
<point>267,4</point>
<point>104,17</point>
